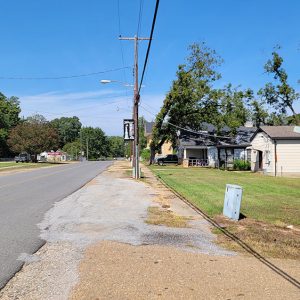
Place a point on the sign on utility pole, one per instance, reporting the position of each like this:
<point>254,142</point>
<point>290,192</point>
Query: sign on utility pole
<point>128,130</point>
<point>136,99</point>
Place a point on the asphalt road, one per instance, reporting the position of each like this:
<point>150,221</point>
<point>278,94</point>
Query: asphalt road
<point>25,198</point>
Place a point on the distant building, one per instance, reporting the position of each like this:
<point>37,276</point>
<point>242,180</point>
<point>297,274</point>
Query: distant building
<point>166,148</point>
<point>52,156</point>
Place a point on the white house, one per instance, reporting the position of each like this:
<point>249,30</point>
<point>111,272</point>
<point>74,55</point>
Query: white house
<point>275,150</point>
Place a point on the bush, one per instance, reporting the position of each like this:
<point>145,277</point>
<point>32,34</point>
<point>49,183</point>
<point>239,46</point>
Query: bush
<point>241,165</point>
<point>145,154</point>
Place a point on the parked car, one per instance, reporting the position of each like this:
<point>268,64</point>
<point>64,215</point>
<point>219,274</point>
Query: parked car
<point>157,157</point>
<point>168,159</point>
<point>23,157</point>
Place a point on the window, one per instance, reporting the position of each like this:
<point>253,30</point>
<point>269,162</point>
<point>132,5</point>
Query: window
<point>248,154</point>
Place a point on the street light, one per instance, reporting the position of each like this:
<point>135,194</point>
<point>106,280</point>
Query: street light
<point>105,81</point>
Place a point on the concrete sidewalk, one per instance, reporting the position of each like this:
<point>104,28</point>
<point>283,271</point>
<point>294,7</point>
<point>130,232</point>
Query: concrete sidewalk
<point>99,246</point>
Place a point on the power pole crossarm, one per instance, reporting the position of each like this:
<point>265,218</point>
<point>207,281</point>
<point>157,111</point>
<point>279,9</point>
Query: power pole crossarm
<point>134,38</point>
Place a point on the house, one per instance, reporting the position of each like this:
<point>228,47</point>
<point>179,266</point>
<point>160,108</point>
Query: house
<point>166,148</point>
<point>275,150</point>
<point>207,148</point>
<point>52,156</point>
<point>236,147</point>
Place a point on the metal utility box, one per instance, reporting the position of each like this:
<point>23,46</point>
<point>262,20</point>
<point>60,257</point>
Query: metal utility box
<point>232,201</point>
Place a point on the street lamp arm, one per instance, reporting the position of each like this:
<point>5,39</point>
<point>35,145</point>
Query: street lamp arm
<point>105,81</point>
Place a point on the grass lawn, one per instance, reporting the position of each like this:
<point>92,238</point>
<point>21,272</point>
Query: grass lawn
<point>269,204</point>
<point>4,166</point>
<point>265,198</point>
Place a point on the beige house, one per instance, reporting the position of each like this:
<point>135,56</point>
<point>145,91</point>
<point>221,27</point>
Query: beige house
<point>166,148</point>
<point>275,150</point>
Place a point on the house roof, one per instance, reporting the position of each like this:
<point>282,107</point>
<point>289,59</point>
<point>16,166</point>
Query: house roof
<point>240,139</point>
<point>280,132</point>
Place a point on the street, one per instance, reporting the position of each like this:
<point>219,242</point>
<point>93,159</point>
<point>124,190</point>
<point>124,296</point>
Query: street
<point>25,198</point>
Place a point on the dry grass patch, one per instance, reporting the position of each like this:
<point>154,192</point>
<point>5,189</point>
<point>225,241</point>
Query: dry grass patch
<point>268,240</point>
<point>158,216</point>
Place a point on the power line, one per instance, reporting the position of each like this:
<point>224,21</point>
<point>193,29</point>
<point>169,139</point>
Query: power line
<point>140,17</point>
<point>121,45</point>
<point>189,130</point>
<point>64,77</point>
<point>149,45</point>
<point>78,109</point>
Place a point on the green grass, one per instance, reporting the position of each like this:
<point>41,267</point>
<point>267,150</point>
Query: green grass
<point>268,199</point>
<point>4,166</point>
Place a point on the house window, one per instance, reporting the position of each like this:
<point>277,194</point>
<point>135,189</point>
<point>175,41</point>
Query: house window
<point>248,154</point>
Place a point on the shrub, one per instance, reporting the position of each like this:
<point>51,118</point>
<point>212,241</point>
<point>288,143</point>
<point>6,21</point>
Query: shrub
<point>241,165</point>
<point>145,154</point>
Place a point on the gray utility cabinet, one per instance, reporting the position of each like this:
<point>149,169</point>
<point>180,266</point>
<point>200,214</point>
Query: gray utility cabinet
<point>232,201</point>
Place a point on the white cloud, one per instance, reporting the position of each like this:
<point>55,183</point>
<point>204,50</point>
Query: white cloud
<point>104,109</point>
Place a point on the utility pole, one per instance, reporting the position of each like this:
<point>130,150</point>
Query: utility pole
<point>136,99</point>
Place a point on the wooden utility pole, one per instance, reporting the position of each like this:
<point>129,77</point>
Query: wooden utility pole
<point>136,99</point>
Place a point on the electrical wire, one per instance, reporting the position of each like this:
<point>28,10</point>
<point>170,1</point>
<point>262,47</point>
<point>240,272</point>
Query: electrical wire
<point>121,46</point>
<point>189,130</point>
<point>149,45</point>
<point>64,77</point>
<point>79,109</point>
<point>140,17</point>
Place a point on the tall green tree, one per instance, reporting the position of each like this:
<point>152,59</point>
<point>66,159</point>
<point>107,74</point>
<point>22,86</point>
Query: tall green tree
<point>9,118</point>
<point>68,129</point>
<point>74,149</point>
<point>233,111</point>
<point>116,146</point>
<point>191,98</point>
<point>94,141</point>
<point>33,137</point>
<point>279,94</point>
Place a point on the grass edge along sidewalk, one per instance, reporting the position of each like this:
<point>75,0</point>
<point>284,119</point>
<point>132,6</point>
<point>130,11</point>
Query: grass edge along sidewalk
<point>269,204</point>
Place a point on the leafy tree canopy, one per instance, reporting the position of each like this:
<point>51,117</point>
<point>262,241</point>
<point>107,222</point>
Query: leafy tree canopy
<point>116,146</point>
<point>74,149</point>
<point>95,142</point>
<point>33,137</point>
<point>9,117</point>
<point>279,94</point>
<point>68,129</point>
<point>191,98</point>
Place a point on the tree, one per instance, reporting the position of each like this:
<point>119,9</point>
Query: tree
<point>142,138</point>
<point>232,109</point>
<point>279,94</point>
<point>116,146</point>
<point>33,137</point>
<point>68,129</point>
<point>37,119</point>
<point>95,142</point>
<point>258,113</point>
<point>291,120</point>
<point>191,99</point>
<point>73,149</point>
<point>9,117</point>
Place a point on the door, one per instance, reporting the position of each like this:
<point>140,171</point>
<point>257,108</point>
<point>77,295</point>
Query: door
<point>260,160</point>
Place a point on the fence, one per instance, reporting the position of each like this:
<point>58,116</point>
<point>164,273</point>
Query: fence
<point>198,162</point>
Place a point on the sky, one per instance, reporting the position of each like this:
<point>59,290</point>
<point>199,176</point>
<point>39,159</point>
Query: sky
<point>44,39</point>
